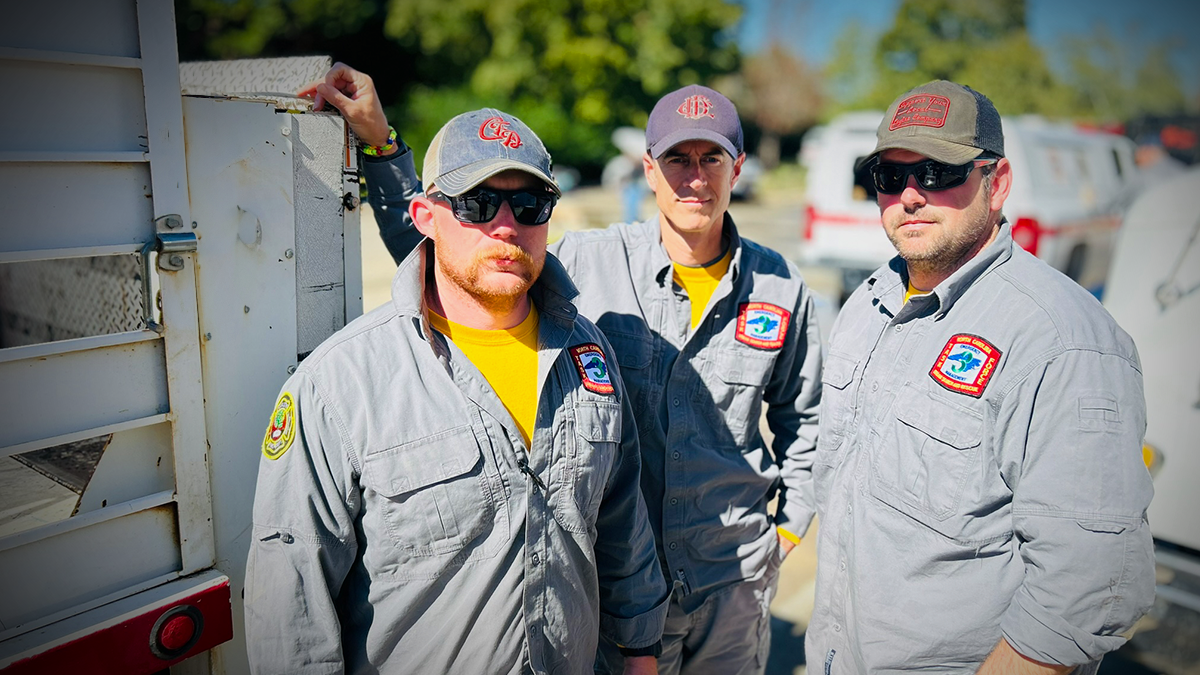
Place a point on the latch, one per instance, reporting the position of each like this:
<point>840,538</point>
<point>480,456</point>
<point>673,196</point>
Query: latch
<point>170,245</point>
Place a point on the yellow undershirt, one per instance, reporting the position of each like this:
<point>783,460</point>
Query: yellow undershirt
<point>508,359</point>
<point>913,290</point>
<point>700,282</point>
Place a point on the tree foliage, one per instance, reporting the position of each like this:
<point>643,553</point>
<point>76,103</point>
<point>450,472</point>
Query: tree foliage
<point>777,92</point>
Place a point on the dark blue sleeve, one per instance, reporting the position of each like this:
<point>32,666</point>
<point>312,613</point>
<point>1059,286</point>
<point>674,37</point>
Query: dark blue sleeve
<point>391,184</point>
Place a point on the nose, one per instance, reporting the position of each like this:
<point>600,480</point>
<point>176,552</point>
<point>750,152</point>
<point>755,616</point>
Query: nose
<point>912,197</point>
<point>504,225</point>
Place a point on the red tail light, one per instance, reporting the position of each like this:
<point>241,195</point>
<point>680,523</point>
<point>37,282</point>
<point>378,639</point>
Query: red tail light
<point>810,215</point>
<point>1027,232</point>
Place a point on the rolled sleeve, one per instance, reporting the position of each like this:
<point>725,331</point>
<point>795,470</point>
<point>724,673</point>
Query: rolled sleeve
<point>391,184</point>
<point>1080,494</point>
<point>793,397</point>
<point>633,594</point>
<point>302,546</point>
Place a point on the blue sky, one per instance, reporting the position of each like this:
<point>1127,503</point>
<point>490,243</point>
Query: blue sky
<point>809,27</point>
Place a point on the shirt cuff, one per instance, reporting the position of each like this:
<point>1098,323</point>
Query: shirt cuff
<point>654,650</point>
<point>1046,637</point>
<point>642,630</point>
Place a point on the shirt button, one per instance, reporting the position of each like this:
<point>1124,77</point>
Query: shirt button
<point>537,560</point>
<point>675,455</point>
<point>843,565</point>
<point>672,546</point>
<point>874,386</point>
<point>899,328</point>
<point>675,402</point>
<point>849,509</point>
<point>674,501</point>
<point>837,627</point>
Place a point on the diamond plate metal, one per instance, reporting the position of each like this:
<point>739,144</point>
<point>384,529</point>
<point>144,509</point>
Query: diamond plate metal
<point>51,300</point>
<point>269,80</point>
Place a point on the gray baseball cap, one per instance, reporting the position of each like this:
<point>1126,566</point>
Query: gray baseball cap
<point>693,113</point>
<point>474,146</point>
<point>942,120</point>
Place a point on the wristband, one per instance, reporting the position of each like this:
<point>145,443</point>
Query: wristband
<point>377,150</point>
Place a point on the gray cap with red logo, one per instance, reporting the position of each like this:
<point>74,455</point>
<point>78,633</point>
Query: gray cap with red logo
<point>942,120</point>
<point>693,113</point>
<point>474,146</point>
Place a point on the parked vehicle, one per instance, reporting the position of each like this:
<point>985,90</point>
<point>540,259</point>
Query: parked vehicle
<point>1154,293</point>
<point>1069,188</point>
<point>165,262</point>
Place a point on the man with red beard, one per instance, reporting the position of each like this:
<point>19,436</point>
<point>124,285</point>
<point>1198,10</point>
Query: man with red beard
<point>450,483</point>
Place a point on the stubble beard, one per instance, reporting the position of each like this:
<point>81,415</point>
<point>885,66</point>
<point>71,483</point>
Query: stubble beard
<point>944,252</point>
<point>493,297</point>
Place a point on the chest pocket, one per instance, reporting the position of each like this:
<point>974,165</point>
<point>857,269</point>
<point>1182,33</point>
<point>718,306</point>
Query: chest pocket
<point>926,456</point>
<point>733,383</point>
<point>837,400</point>
<point>635,355</point>
<point>435,500</point>
<point>591,452</point>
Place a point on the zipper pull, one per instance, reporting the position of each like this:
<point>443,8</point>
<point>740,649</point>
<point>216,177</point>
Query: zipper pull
<point>524,467</point>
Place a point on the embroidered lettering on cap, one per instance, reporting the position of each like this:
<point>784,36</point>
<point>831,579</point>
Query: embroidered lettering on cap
<point>966,364</point>
<point>496,129</point>
<point>696,106</point>
<point>593,369</point>
<point>762,325</point>
<point>922,110</point>
<point>282,430</point>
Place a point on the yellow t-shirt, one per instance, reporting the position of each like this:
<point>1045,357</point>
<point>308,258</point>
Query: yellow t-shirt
<point>700,282</point>
<point>912,291</point>
<point>508,359</point>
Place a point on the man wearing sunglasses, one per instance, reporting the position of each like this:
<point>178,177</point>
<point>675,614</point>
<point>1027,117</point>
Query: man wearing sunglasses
<point>708,328</point>
<point>979,478</point>
<point>450,483</point>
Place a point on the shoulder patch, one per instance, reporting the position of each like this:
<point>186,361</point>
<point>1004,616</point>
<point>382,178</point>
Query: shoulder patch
<point>282,430</point>
<point>966,364</point>
<point>762,325</point>
<point>593,368</point>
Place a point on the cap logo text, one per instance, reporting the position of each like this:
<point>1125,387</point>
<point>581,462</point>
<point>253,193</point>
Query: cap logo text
<point>696,106</point>
<point>497,129</point>
<point>922,110</point>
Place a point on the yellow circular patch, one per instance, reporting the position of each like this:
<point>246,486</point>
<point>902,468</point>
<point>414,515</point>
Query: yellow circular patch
<point>282,431</point>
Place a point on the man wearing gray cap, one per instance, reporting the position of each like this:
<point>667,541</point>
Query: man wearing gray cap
<point>449,484</point>
<point>979,477</point>
<point>707,327</point>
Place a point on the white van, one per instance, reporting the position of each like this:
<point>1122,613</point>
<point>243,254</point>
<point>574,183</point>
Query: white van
<point>1069,186</point>
<point>1154,294</point>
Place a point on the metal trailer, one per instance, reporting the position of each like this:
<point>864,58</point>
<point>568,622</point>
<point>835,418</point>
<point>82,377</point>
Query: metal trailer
<point>165,262</point>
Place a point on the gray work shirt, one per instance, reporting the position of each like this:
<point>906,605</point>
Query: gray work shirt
<point>698,394</point>
<point>402,531</point>
<point>979,473</point>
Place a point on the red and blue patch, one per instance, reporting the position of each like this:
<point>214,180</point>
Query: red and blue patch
<point>593,368</point>
<point>762,325</point>
<point>966,364</point>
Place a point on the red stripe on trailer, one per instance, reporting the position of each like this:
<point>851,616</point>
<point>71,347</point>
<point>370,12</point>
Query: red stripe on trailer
<point>204,620</point>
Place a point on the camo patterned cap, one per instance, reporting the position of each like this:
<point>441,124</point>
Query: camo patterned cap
<point>942,120</point>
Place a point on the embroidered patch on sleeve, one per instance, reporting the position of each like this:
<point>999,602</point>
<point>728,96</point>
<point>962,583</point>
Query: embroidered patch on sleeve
<point>593,369</point>
<point>762,325</point>
<point>282,431</point>
<point>966,364</point>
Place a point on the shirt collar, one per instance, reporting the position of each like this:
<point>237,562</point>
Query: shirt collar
<point>662,262</point>
<point>889,282</point>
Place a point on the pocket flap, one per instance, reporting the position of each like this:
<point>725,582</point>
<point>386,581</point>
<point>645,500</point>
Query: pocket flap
<point>421,463</point>
<point>633,351</point>
<point>745,367</point>
<point>955,425</point>
<point>838,370</point>
<point>598,421</point>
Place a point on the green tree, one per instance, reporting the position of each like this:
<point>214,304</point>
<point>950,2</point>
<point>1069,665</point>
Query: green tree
<point>572,69</point>
<point>1114,82</point>
<point>778,93</point>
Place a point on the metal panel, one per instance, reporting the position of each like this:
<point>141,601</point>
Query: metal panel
<point>318,141</point>
<point>136,463</point>
<point>56,205</point>
<point>46,396</point>
<point>46,577</point>
<point>106,27</point>
<point>115,119</point>
<point>269,80</point>
<point>169,184</point>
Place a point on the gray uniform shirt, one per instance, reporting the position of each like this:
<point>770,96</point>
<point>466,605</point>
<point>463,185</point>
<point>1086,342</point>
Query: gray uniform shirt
<point>979,474</point>
<point>706,471</point>
<point>402,531</point>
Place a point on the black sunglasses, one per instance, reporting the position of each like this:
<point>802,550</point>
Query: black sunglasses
<point>480,205</point>
<point>931,174</point>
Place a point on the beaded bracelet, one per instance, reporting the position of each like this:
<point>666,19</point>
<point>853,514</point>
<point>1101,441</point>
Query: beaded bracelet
<point>377,150</point>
